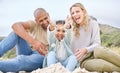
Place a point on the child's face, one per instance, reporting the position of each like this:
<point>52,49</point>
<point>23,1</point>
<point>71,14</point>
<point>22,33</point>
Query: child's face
<point>60,31</point>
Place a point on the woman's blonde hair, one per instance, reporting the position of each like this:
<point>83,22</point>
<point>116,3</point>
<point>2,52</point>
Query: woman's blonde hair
<point>85,20</point>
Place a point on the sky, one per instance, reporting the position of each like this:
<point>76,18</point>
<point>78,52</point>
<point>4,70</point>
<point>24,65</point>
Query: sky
<point>11,11</point>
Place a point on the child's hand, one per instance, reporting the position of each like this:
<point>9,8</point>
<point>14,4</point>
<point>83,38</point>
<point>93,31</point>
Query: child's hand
<point>68,22</point>
<point>52,26</point>
<point>68,19</point>
<point>67,26</point>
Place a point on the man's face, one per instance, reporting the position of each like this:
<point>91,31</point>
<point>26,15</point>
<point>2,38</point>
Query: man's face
<point>60,32</point>
<point>43,20</point>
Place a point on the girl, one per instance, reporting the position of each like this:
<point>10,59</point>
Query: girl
<point>58,38</point>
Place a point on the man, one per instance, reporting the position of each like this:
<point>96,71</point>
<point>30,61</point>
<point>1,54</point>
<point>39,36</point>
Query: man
<point>30,39</point>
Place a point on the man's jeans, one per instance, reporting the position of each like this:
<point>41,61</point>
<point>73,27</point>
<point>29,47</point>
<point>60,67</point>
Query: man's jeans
<point>26,59</point>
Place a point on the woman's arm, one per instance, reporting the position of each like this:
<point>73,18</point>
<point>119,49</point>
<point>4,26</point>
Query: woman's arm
<point>95,38</point>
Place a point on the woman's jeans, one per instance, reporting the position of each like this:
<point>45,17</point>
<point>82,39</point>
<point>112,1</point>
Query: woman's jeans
<point>105,60</point>
<point>69,63</point>
<point>26,59</point>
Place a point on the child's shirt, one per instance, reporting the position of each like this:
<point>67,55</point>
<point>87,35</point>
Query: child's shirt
<point>61,51</point>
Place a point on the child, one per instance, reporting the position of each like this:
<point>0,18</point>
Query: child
<point>59,46</point>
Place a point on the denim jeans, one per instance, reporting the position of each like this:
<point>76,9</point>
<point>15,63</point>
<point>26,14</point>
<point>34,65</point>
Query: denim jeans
<point>69,63</point>
<point>26,59</point>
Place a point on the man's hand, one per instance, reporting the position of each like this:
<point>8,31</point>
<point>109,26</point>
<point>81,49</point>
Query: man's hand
<point>40,47</point>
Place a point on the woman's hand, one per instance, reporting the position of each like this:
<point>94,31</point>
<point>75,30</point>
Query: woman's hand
<point>80,53</point>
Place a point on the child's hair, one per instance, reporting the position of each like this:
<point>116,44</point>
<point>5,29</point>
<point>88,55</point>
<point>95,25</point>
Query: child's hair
<point>60,22</point>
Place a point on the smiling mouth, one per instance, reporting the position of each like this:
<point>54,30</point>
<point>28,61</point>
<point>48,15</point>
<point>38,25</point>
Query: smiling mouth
<point>77,18</point>
<point>60,37</point>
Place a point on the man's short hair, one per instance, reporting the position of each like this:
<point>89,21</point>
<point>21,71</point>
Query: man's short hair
<point>38,11</point>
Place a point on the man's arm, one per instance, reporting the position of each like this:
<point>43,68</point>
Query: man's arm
<point>20,28</point>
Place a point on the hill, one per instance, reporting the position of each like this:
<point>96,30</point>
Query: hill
<point>107,29</point>
<point>110,36</point>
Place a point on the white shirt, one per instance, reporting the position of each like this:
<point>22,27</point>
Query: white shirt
<point>61,52</point>
<point>89,39</point>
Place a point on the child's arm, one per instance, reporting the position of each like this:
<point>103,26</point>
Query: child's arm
<point>52,26</point>
<point>50,37</point>
<point>67,37</point>
<point>68,22</point>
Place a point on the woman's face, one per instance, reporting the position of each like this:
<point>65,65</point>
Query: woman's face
<point>77,14</point>
<point>60,32</point>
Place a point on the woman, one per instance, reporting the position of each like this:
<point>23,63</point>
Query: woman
<point>86,35</point>
<point>86,38</point>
